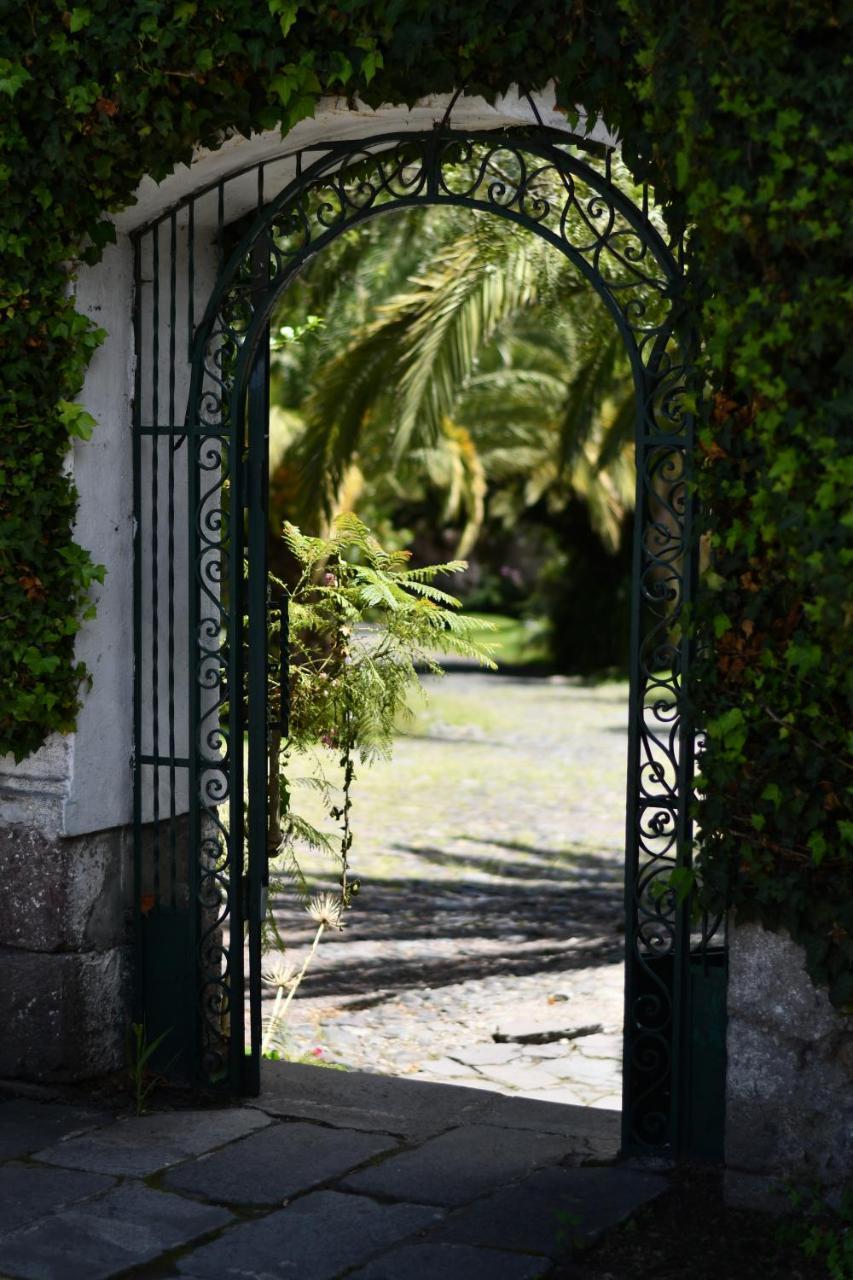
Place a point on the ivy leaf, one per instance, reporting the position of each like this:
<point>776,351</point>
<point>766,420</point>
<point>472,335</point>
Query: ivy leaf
<point>80,18</point>
<point>286,11</point>
<point>682,880</point>
<point>730,731</point>
<point>12,77</point>
<point>77,422</point>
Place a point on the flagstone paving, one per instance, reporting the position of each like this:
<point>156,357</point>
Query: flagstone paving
<point>324,1176</point>
<point>490,855</point>
<point>475,998</point>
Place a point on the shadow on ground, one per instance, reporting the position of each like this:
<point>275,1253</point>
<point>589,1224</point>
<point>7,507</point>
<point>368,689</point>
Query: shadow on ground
<point>510,917</point>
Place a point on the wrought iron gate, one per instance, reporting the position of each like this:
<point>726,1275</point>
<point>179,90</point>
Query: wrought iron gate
<point>208,274</point>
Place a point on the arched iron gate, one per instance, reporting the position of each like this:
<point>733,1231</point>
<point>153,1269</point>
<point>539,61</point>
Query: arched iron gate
<point>208,274</point>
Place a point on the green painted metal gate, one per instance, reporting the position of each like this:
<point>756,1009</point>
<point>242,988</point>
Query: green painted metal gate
<point>209,272</point>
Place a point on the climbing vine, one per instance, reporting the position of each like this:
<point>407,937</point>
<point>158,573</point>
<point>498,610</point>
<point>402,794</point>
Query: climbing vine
<point>737,113</point>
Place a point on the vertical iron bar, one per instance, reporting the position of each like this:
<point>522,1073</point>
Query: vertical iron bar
<point>138,985</point>
<point>155,557</point>
<point>632,804</point>
<point>220,222</point>
<point>284,668</point>
<point>682,1085</point>
<point>236,724</point>
<point>170,551</point>
<point>190,278</point>
<point>256,497</point>
<point>194,442</point>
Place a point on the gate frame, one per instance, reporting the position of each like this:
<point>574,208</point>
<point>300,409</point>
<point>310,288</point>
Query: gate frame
<point>658,1027</point>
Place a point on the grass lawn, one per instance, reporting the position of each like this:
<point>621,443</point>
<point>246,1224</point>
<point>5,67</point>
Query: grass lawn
<point>516,642</point>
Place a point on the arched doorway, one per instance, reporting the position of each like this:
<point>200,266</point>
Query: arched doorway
<point>201,419</point>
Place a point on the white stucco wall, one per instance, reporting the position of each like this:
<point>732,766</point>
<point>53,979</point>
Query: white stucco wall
<point>82,783</point>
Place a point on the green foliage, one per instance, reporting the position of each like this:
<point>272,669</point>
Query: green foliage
<point>362,626</point>
<point>822,1231</point>
<point>478,356</point>
<point>740,116</point>
<point>140,1050</point>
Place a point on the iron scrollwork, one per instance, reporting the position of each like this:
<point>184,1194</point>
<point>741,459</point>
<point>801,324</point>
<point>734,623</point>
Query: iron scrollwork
<point>564,193</point>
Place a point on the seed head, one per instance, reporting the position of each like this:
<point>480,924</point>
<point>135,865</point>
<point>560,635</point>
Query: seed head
<point>327,909</point>
<point>280,974</point>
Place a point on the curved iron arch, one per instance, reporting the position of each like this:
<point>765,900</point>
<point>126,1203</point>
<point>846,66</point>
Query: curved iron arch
<point>416,177</point>
<point>548,184</point>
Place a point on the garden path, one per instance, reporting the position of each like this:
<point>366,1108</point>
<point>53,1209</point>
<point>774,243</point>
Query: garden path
<point>490,855</point>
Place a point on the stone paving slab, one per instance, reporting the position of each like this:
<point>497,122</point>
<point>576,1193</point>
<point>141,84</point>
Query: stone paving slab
<point>124,1229</point>
<point>141,1146</point>
<point>28,1126</point>
<point>451,1262</point>
<point>276,1163</point>
<point>419,1109</point>
<point>362,1100</point>
<point>315,1238</point>
<point>524,1077</point>
<point>595,1133</point>
<point>460,1165</point>
<point>483,1055</point>
<point>28,1192</point>
<point>553,1209</point>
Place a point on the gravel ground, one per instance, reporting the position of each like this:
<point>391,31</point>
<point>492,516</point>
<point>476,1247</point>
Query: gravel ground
<point>485,946</point>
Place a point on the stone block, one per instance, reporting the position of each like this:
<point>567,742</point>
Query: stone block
<point>141,1145</point>
<point>63,1015</point>
<point>276,1163</point>
<point>789,1092</point>
<point>459,1166</point>
<point>315,1238</point>
<point>123,1229</point>
<point>64,894</point>
<point>28,1193</point>
<point>33,791</point>
<point>769,986</point>
<point>452,1262</point>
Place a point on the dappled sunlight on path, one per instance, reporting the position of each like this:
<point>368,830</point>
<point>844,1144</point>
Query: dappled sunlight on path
<point>490,856</point>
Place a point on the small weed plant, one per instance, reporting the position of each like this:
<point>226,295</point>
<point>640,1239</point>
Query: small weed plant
<point>140,1050</point>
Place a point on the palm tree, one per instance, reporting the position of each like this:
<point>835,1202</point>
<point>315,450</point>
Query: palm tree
<point>458,356</point>
<point>488,361</point>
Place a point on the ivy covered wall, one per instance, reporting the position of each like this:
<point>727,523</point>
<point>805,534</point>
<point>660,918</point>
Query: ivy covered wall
<point>740,116</point>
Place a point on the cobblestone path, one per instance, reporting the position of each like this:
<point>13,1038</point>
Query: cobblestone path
<point>485,946</point>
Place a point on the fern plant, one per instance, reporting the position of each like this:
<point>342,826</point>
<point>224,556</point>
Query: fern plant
<point>362,626</point>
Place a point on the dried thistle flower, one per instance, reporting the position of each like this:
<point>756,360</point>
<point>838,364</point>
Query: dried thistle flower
<point>280,974</point>
<point>327,910</point>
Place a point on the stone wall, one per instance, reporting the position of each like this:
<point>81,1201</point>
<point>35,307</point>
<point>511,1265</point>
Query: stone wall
<point>64,953</point>
<point>789,1113</point>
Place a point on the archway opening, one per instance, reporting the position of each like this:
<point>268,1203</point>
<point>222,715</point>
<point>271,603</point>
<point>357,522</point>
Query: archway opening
<point>563,193</point>
<point>447,378</point>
